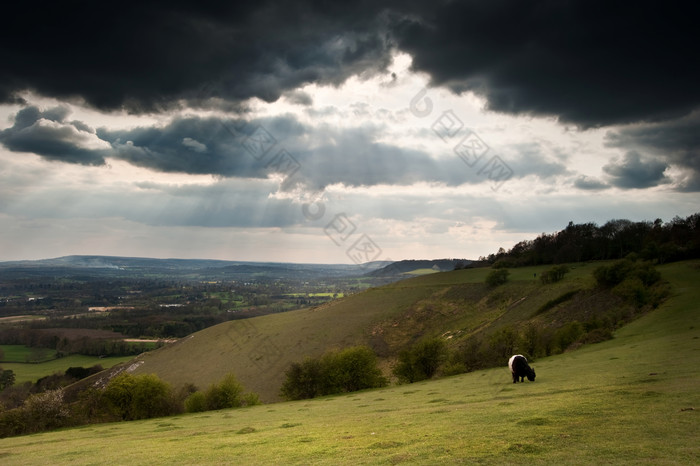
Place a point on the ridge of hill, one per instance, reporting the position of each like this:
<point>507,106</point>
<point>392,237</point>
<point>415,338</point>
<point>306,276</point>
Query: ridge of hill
<point>629,400</point>
<point>452,305</point>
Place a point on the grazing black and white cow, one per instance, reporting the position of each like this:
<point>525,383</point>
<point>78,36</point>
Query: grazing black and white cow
<point>520,368</point>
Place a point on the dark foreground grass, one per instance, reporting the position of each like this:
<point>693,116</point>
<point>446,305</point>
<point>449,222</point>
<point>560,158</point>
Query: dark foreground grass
<point>631,400</point>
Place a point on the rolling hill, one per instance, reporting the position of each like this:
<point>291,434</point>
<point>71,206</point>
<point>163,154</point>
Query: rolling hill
<point>453,305</point>
<point>629,400</point>
<point>195,269</point>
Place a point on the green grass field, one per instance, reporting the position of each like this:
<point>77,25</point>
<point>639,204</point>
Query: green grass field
<point>418,272</point>
<point>32,372</point>
<point>21,354</point>
<point>630,400</point>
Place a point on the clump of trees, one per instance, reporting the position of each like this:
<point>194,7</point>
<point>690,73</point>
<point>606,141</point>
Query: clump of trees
<point>634,280</point>
<point>7,378</point>
<point>126,397</point>
<point>133,397</point>
<point>335,372</point>
<point>655,241</point>
<point>422,361</point>
<point>553,275</point>
<point>497,277</point>
<point>228,393</point>
<point>40,412</point>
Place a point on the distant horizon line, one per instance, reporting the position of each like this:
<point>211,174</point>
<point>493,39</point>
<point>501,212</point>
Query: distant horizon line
<point>107,256</point>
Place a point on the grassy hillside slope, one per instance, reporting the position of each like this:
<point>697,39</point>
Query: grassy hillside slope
<point>630,400</point>
<point>259,350</point>
<point>388,318</point>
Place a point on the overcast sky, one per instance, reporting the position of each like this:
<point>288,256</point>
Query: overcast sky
<point>344,132</point>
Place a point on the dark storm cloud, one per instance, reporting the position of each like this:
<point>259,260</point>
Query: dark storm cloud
<point>48,135</point>
<point>590,63</point>
<point>146,55</point>
<point>676,141</point>
<point>632,172</point>
<point>186,145</point>
<point>315,156</point>
<point>587,62</point>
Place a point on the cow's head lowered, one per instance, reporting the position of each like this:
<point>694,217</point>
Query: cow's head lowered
<point>531,374</point>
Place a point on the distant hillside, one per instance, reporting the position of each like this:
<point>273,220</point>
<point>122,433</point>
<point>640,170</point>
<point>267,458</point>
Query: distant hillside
<point>452,305</point>
<point>96,266</point>
<point>420,267</point>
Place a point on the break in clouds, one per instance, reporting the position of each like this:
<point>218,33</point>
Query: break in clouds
<point>318,156</point>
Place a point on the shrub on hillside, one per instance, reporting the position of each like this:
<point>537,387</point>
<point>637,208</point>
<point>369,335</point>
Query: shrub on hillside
<point>303,380</point>
<point>531,340</point>
<point>503,343</point>
<point>647,273</point>
<point>343,371</point>
<point>497,277</point>
<point>469,355</point>
<point>7,378</point>
<point>46,411</point>
<point>15,395</point>
<point>611,275</point>
<point>39,412</point>
<point>422,361</point>
<point>138,396</point>
<point>92,407</point>
<point>229,393</point>
<point>554,274</point>
<point>634,281</point>
<point>632,290</point>
<point>226,394</point>
<point>567,335</point>
<point>196,403</point>
<point>608,276</point>
<point>352,369</point>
